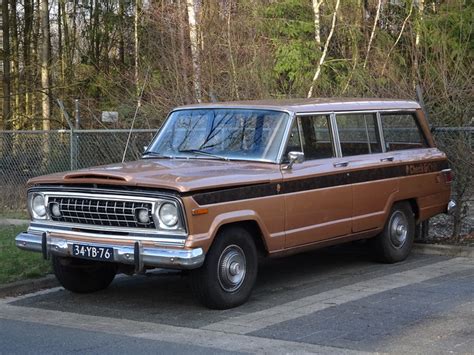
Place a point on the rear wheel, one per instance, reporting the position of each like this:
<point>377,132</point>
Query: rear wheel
<point>83,276</point>
<point>394,243</point>
<point>228,275</point>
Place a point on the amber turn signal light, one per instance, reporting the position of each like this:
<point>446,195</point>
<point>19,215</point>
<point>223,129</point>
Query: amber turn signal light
<point>199,211</point>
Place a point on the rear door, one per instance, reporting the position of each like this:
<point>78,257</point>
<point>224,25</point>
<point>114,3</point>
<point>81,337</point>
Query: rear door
<point>362,148</point>
<point>318,199</point>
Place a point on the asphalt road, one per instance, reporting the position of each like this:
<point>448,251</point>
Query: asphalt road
<point>331,301</point>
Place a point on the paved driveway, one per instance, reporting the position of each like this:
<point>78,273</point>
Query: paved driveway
<point>331,301</point>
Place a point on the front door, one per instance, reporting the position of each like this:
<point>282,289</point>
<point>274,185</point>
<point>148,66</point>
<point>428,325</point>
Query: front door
<point>318,196</point>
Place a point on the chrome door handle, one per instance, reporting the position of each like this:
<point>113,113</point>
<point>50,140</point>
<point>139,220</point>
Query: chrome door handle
<point>341,164</point>
<point>387,159</point>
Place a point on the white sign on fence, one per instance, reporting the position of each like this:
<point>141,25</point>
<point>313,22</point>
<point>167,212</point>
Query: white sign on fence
<point>110,116</point>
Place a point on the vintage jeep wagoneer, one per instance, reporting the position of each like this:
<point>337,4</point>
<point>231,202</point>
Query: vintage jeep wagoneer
<point>222,184</point>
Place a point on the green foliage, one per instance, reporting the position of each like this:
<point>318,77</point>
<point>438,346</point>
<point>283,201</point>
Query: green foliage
<point>289,24</point>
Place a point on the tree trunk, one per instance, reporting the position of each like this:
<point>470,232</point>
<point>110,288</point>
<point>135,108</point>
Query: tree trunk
<point>325,51</point>
<point>317,25</point>
<point>372,34</point>
<point>231,55</point>
<point>14,55</point>
<point>136,49</point>
<point>4,123</point>
<point>183,53</point>
<point>419,21</point>
<point>35,58</point>
<point>121,29</point>
<point>45,61</point>
<point>398,39</point>
<point>193,36</point>
<point>27,32</point>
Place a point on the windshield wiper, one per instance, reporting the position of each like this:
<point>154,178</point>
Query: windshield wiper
<point>202,152</point>
<point>151,154</point>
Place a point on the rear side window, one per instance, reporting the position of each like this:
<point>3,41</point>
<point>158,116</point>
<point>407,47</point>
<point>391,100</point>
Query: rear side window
<point>358,133</point>
<point>401,131</point>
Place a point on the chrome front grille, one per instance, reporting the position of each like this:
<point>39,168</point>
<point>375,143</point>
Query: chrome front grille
<point>99,212</point>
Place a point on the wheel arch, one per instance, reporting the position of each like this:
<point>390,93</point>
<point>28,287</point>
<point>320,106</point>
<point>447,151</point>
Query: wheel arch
<point>251,226</point>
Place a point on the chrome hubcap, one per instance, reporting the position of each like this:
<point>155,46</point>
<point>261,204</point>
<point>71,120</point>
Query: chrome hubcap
<point>398,229</point>
<point>231,268</point>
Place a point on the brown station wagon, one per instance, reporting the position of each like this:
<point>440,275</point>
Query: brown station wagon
<point>222,184</point>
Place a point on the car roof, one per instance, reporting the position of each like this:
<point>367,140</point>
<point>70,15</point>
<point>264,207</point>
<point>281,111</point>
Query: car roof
<point>313,105</point>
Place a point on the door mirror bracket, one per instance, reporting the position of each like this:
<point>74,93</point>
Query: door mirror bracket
<point>294,157</point>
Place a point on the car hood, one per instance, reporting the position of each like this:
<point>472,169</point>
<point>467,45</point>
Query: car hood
<point>181,175</point>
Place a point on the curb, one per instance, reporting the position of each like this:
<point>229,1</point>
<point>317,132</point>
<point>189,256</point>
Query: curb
<point>446,250</point>
<point>27,286</point>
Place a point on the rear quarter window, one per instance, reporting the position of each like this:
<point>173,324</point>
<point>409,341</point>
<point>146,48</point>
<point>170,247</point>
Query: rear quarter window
<point>401,131</point>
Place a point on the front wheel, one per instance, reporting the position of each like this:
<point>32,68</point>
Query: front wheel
<point>83,276</point>
<point>228,275</point>
<point>394,243</point>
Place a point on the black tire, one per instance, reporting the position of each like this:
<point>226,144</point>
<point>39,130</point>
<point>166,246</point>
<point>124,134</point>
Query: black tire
<point>394,243</point>
<point>219,283</point>
<point>83,276</point>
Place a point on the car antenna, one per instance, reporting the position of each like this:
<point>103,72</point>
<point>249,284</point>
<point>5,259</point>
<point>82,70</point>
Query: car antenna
<point>139,101</point>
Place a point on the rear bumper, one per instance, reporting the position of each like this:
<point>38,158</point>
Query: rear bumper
<point>134,254</point>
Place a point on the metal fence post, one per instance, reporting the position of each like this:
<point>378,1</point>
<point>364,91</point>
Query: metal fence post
<point>73,153</point>
<point>75,134</point>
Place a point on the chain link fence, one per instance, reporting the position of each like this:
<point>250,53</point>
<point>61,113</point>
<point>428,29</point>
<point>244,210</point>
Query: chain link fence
<point>26,154</point>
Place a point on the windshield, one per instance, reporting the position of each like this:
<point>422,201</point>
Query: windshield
<point>241,134</point>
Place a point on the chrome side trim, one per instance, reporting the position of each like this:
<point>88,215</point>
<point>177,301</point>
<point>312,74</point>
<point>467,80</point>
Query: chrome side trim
<point>155,257</point>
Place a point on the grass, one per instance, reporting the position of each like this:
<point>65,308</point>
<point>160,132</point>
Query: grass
<point>16,264</point>
<point>19,214</point>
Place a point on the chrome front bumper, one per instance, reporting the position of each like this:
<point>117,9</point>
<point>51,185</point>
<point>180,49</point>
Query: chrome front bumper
<point>134,254</point>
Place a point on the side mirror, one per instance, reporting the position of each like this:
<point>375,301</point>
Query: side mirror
<point>145,147</point>
<point>295,157</point>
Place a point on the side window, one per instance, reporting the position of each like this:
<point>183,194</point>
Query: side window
<point>358,133</point>
<point>401,131</point>
<point>317,142</point>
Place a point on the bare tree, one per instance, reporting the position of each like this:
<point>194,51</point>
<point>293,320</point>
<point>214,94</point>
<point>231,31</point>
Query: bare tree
<point>193,36</point>
<point>136,50</point>
<point>325,51</point>
<point>6,66</point>
<point>231,54</point>
<point>45,61</point>
<point>416,52</point>
<point>398,39</point>
<point>317,25</point>
<point>372,34</point>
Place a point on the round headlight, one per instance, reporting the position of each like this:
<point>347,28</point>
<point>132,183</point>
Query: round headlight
<point>168,214</point>
<point>38,206</point>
